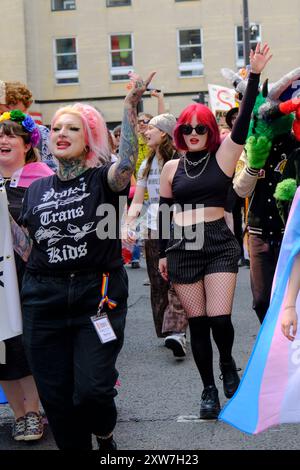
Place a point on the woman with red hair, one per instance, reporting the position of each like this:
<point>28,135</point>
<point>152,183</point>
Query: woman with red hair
<point>201,256</point>
<point>74,294</point>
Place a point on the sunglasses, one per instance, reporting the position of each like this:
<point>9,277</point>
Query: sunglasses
<point>144,121</point>
<point>187,129</point>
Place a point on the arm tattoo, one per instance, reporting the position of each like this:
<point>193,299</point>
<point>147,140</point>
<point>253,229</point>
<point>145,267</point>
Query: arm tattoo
<point>120,172</point>
<point>21,241</point>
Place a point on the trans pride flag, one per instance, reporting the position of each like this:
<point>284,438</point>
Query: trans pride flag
<point>269,392</point>
<point>29,173</point>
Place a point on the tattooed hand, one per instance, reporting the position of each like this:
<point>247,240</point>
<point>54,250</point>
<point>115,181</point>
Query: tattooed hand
<point>138,89</point>
<point>22,243</point>
<point>120,172</point>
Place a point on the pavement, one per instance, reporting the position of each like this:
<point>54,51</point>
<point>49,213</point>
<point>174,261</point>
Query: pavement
<point>159,397</point>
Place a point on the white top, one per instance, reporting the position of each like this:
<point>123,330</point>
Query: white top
<point>152,184</point>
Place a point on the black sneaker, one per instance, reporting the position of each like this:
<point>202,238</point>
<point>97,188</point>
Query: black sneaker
<point>135,264</point>
<point>107,445</point>
<point>210,405</point>
<point>230,377</point>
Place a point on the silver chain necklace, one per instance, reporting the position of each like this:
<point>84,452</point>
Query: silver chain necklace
<point>198,162</point>
<point>185,161</point>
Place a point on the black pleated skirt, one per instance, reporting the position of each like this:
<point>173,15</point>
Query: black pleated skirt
<point>201,249</point>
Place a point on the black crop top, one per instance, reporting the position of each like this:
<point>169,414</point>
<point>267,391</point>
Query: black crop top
<point>210,188</point>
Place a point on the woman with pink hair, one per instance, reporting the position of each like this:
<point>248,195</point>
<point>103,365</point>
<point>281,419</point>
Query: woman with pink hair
<point>74,295</point>
<point>201,257</point>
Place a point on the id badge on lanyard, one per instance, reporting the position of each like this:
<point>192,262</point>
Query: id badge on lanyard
<point>100,321</point>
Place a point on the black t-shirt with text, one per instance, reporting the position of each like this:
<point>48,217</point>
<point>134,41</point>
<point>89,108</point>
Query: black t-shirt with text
<point>74,224</point>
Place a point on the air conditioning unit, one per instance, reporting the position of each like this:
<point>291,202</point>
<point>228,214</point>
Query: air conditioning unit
<point>69,5</point>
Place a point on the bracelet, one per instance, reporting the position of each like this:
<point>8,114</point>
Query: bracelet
<point>290,306</point>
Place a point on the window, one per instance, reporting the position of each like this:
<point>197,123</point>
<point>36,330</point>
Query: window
<point>66,69</point>
<point>118,3</point>
<point>121,56</point>
<point>58,5</point>
<point>190,52</point>
<point>255,31</point>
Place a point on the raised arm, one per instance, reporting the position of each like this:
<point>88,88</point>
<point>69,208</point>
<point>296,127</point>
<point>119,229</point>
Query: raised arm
<point>120,172</point>
<point>161,109</point>
<point>22,243</point>
<point>232,147</point>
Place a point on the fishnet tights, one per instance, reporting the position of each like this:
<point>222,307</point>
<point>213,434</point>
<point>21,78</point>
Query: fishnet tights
<point>210,297</point>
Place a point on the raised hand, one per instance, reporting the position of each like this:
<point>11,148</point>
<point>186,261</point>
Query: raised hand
<point>289,322</point>
<point>138,89</point>
<point>163,268</point>
<point>259,58</point>
<point>157,94</point>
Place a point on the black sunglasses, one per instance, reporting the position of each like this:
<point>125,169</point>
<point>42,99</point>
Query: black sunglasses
<point>144,121</point>
<point>187,129</point>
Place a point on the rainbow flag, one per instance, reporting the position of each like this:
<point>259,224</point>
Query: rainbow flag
<point>269,392</point>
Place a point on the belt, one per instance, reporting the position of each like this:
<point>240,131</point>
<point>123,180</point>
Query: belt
<point>64,274</point>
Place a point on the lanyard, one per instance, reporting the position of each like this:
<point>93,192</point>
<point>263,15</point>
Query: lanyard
<point>104,298</point>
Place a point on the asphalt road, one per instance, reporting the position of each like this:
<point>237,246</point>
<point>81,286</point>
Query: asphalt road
<point>156,391</point>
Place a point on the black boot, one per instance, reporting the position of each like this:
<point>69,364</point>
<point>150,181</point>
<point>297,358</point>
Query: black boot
<point>210,405</point>
<point>107,445</point>
<point>230,377</point>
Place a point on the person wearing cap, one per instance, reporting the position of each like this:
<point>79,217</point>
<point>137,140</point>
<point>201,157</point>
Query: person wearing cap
<point>231,116</point>
<point>142,127</point>
<point>169,318</point>
<point>16,95</point>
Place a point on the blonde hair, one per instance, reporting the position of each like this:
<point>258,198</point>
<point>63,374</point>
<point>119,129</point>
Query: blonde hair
<point>95,132</point>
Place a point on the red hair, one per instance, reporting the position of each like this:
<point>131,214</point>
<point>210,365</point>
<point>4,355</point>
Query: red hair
<point>204,116</point>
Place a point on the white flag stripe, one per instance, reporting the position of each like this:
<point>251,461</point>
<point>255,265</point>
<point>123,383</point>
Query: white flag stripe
<point>10,308</point>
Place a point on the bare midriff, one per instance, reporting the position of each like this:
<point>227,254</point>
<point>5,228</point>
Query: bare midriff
<point>197,216</point>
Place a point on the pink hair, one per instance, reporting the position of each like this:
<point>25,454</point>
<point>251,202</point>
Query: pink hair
<point>204,116</point>
<point>95,131</point>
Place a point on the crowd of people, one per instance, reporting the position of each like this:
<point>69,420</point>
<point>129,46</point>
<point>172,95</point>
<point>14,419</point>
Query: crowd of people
<point>183,181</point>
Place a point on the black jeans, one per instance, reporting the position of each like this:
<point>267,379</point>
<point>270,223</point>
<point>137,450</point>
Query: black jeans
<point>263,260</point>
<point>75,373</point>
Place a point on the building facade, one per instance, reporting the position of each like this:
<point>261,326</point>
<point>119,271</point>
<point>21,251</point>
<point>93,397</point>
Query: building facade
<point>82,50</point>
